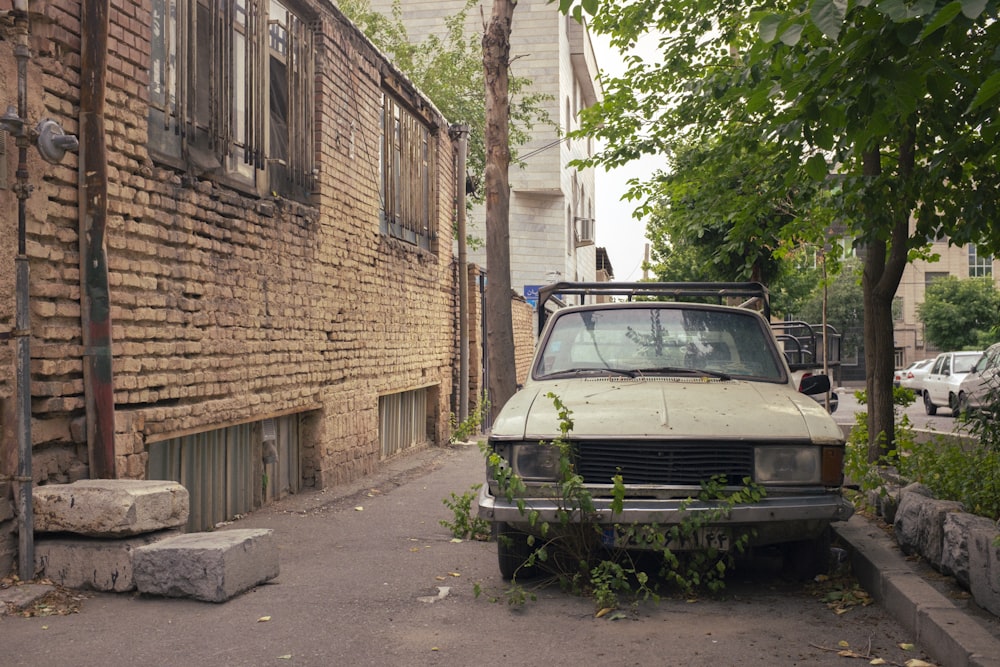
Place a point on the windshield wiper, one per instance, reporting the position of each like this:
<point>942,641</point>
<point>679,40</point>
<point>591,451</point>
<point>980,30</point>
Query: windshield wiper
<point>568,372</point>
<point>700,372</point>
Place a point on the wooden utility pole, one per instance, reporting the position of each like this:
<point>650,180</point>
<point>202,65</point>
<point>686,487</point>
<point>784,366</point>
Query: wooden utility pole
<point>502,374</point>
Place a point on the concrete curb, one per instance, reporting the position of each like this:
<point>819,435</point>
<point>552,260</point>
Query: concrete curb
<point>945,631</point>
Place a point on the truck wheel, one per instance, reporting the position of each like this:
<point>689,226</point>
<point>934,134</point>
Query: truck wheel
<point>929,407</point>
<point>808,558</point>
<point>512,551</point>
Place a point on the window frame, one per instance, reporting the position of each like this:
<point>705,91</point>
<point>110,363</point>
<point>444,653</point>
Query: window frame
<point>210,93</point>
<point>979,266</point>
<point>408,173</point>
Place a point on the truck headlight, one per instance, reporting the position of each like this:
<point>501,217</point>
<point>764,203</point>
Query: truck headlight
<point>535,461</point>
<point>787,465</point>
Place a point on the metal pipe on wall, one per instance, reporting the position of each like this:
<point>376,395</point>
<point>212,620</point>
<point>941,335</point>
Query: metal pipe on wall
<point>461,133</point>
<point>95,291</point>
<point>22,324</point>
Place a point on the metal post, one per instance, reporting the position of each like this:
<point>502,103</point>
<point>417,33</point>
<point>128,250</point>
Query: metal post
<point>22,325</point>
<point>461,132</point>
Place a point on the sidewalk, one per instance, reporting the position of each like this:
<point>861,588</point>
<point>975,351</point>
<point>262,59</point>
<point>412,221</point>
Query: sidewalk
<point>944,623</point>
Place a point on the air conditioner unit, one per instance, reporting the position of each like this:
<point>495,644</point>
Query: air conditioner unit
<point>584,231</point>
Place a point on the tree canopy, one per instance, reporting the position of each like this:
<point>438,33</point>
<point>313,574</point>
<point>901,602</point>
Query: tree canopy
<point>890,105</point>
<point>960,314</point>
<point>448,68</point>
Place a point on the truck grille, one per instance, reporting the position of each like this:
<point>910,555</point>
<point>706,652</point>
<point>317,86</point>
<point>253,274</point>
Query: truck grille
<point>664,462</point>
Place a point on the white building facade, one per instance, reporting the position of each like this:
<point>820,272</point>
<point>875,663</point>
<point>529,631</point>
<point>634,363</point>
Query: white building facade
<point>552,206</point>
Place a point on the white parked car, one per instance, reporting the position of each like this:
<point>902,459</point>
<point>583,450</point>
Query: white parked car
<point>941,385</point>
<point>974,392</point>
<point>669,395</point>
<point>912,377</point>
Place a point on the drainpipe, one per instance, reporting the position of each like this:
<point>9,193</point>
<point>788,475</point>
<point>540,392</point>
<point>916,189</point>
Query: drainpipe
<point>14,122</point>
<point>94,293</point>
<point>461,133</point>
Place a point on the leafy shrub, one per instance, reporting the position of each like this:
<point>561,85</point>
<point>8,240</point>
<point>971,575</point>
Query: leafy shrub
<point>968,471</point>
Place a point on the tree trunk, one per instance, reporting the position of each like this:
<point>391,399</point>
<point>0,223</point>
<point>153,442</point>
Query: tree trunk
<point>502,377</point>
<point>883,269</point>
<point>879,356</point>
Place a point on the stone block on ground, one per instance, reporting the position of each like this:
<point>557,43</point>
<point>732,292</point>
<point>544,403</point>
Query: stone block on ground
<point>100,564</point>
<point>213,567</point>
<point>110,507</point>
<point>984,567</point>
<point>955,554</point>
<point>919,524</point>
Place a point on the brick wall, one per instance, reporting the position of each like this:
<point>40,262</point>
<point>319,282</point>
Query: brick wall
<point>227,307</point>
<point>522,315</point>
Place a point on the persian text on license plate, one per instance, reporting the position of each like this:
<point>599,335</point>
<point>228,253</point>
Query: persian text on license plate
<point>703,538</point>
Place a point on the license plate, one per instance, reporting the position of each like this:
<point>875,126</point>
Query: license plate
<point>702,538</point>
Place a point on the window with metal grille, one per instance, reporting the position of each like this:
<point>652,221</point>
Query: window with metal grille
<point>407,170</point>
<point>230,92</point>
<point>402,420</point>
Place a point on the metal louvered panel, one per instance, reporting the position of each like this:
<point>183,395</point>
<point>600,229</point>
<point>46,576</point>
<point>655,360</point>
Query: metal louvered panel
<point>402,421</point>
<point>663,462</point>
<point>217,469</point>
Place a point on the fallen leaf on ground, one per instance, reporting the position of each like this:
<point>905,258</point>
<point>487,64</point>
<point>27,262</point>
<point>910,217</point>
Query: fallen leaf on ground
<point>263,619</point>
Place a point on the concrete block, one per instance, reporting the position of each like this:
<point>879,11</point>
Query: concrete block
<point>89,563</point>
<point>213,567</point>
<point>919,524</point>
<point>955,549</point>
<point>953,640</point>
<point>984,567</point>
<point>110,507</point>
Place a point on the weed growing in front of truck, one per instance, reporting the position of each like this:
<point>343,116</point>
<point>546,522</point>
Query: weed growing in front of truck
<point>588,557</point>
<point>464,525</point>
<point>461,431</point>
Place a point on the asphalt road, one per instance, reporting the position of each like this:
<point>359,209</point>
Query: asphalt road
<point>370,577</point>
<point>943,421</point>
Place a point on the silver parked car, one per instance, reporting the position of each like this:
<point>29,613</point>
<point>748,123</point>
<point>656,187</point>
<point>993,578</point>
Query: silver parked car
<point>669,395</point>
<point>974,391</point>
<point>942,383</point>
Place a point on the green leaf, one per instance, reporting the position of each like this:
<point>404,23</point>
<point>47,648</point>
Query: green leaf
<point>768,27</point>
<point>943,18</point>
<point>828,15</point>
<point>986,92</point>
<point>590,6</point>
<point>792,36</point>
<point>816,167</point>
<point>972,9</point>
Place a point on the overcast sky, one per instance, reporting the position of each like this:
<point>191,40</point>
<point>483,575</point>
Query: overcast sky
<point>623,236</point>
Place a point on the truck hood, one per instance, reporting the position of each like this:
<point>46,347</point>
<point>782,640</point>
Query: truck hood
<point>667,407</point>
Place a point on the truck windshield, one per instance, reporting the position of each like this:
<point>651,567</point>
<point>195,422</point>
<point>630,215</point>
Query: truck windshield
<point>656,340</point>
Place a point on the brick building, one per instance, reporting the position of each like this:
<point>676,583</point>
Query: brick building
<point>260,216</point>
